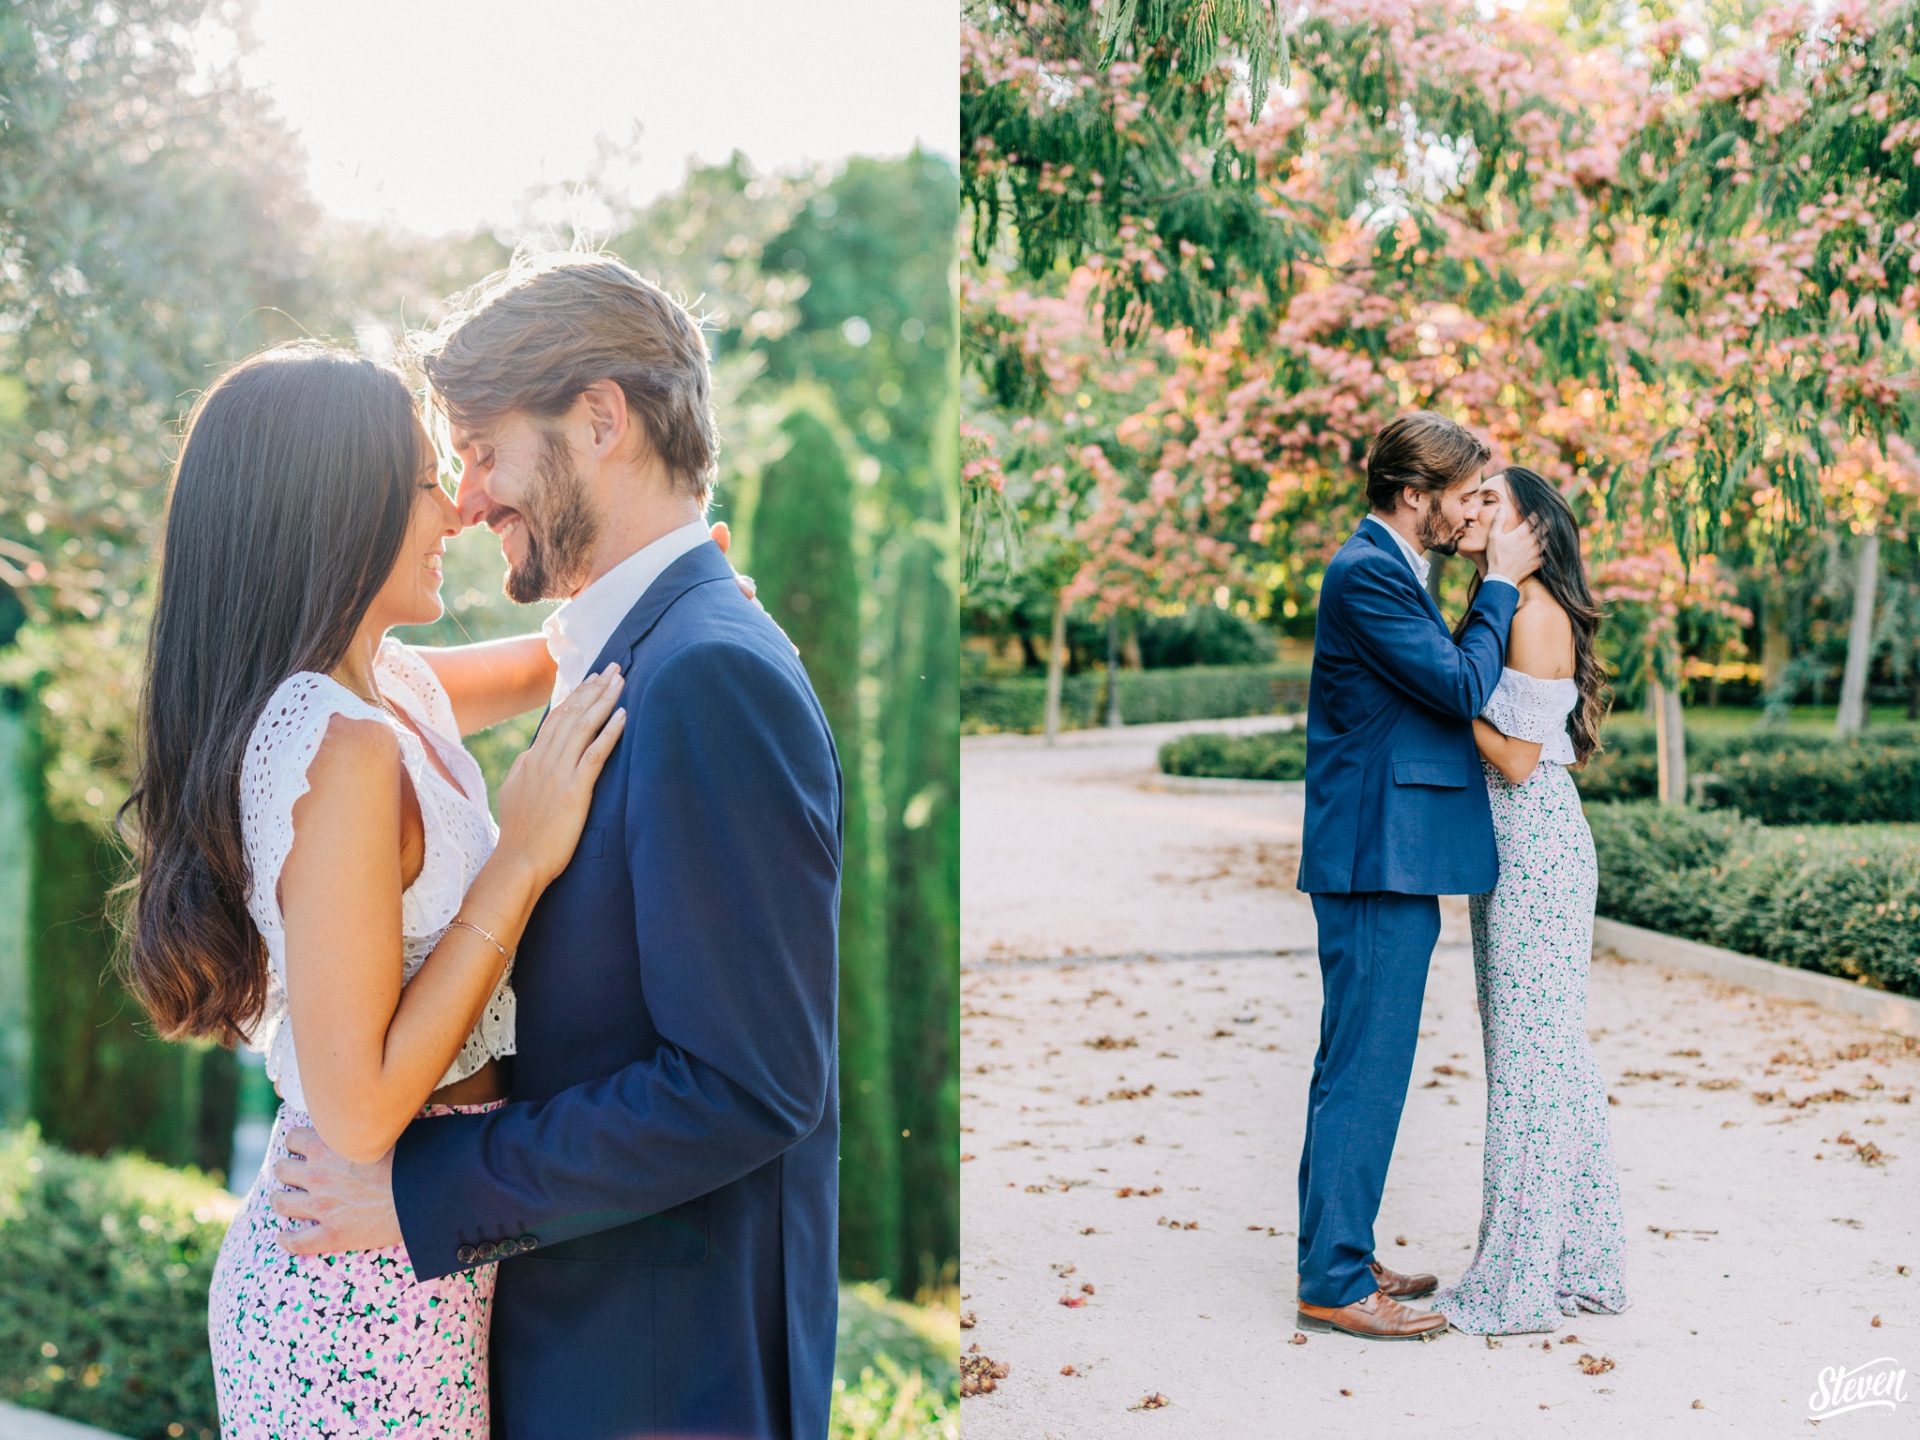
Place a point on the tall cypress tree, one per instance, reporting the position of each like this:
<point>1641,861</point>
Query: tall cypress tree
<point>888,356</point>
<point>920,758</point>
<point>806,560</point>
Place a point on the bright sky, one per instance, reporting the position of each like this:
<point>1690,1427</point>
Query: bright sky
<point>442,114</point>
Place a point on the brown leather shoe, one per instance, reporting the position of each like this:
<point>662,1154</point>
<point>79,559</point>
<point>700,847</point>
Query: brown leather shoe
<point>1402,1287</point>
<point>1378,1317</point>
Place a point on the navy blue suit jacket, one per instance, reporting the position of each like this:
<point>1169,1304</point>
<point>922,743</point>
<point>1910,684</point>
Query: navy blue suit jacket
<point>1395,797</point>
<point>663,1183</point>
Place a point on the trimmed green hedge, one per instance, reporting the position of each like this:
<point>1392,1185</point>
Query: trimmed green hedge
<point>1854,783</point>
<point>1774,776</point>
<point>104,1269</point>
<point>1842,901</point>
<point>1196,692</point>
<point>1267,755</point>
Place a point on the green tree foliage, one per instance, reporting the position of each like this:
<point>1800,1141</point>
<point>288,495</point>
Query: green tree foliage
<point>887,355</point>
<point>1752,211</point>
<point>917,597</point>
<point>148,233</point>
<point>809,576</point>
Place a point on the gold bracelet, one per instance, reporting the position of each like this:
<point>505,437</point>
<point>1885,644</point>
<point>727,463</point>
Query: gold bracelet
<point>487,935</point>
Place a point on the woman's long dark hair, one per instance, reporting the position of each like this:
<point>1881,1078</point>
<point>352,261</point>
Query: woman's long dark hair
<point>1564,574</point>
<point>288,507</point>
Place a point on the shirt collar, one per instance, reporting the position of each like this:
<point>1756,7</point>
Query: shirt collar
<point>1414,557</point>
<point>579,629</point>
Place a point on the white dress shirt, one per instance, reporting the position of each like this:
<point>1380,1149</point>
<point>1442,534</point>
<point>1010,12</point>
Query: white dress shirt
<point>1415,558</point>
<point>579,629</point>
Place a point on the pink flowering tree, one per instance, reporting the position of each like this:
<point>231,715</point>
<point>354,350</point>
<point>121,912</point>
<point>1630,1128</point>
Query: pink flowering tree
<point>1574,246</point>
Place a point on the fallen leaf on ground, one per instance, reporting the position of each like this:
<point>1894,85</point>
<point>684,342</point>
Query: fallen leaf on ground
<point>979,1374</point>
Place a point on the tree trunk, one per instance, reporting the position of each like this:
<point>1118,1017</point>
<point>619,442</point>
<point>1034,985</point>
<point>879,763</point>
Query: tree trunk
<point>1056,666</point>
<point>1114,718</point>
<point>1435,564</point>
<point>1670,738</point>
<point>1776,648</point>
<point>1852,717</point>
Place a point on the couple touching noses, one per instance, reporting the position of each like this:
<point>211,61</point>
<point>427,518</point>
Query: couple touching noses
<point>1437,764</point>
<point>597,1040</point>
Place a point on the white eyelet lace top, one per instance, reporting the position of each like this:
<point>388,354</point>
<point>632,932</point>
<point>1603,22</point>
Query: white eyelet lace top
<point>1527,707</point>
<point>460,835</point>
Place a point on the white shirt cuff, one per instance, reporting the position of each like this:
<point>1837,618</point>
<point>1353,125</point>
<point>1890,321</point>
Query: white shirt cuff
<point>1503,580</point>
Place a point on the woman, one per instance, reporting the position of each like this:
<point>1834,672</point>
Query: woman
<point>1551,1237</point>
<point>318,873</point>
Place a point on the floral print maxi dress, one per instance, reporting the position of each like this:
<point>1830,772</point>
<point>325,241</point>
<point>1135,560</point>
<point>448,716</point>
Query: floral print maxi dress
<point>324,1347</point>
<point>1552,1241</point>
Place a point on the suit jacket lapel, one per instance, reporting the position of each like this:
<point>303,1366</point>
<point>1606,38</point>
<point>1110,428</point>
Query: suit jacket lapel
<point>1371,534</point>
<point>702,565</point>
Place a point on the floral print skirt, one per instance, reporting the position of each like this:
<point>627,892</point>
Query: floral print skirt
<point>342,1345</point>
<point>1552,1241</point>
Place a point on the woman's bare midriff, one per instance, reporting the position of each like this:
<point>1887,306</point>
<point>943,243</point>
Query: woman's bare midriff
<point>489,1082</point>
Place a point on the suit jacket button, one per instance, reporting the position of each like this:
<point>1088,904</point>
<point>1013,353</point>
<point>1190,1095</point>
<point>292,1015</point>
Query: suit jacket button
<point>528,1242</point>
<point>464,1255</point>
<point>490,1250</point>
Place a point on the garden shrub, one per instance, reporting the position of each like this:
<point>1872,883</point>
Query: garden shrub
<point>1268,755</point>
<point>1779,777</point>
<point>1836,783</point>
<point>1203,635</point>
<point>1842,901</point>
<point>104,1267</point>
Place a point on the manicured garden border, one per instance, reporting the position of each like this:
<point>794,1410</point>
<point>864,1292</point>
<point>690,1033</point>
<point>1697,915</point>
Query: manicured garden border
<point>1879,1008</point>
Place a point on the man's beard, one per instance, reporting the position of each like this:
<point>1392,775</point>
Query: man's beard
<point>1435,533</point>
<point>560,527</point>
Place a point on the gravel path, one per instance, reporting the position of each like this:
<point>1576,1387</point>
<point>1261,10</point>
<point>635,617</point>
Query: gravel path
<point>1140,1005</point>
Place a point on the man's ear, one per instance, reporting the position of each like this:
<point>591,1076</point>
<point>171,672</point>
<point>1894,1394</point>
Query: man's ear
<point>1413,497</point>
<point>608,423</point>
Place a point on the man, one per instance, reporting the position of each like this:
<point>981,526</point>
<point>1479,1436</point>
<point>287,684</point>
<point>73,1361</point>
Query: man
<point>663,1180</point>
<point>1396,816</point>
